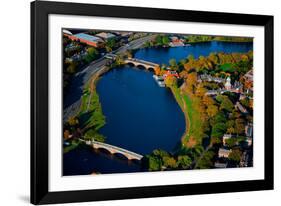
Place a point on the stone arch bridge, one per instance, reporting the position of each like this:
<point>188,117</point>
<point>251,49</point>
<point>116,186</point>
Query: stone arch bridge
<point>113,149</point>
<point>138,62</point>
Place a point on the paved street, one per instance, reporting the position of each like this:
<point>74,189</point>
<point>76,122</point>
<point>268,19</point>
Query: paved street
<point>72,101</point>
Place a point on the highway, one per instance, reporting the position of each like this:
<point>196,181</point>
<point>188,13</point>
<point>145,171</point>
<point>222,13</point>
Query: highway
<point>72,100</point>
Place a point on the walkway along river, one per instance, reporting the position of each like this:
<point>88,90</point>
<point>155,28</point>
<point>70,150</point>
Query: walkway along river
<point>140,115</point>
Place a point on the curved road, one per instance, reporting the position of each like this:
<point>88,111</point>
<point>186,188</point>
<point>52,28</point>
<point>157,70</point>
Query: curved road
<point>72,100</point>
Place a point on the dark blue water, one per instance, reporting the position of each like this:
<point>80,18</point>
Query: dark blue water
<point>163,55</point>
<point>140,115</point>
<point>84,160</point>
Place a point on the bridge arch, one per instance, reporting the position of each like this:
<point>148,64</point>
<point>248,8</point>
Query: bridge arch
<point>140,66</point>
<point>151,69</point>
<point>103,150</point>
<point>131,64</point>
<point>121,155</point>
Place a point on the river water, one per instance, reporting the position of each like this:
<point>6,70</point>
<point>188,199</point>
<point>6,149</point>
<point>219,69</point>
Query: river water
<point>140,115</point>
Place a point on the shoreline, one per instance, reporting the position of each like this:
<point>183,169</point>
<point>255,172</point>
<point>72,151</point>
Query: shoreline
<point>183,107</point>
<point>195,42</point>
<point>181,102</point>
<point>91,85</point>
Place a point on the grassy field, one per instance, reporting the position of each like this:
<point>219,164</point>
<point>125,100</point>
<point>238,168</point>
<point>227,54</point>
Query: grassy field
<point>193,133</point>
<point>90,115</point>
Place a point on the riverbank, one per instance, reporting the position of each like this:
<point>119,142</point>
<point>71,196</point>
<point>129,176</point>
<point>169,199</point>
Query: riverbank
<point>190,43</point>
<point>90,116</point>
<point>182,104</point>
<point>192,134</point>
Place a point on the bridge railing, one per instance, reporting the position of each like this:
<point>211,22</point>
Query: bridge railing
<point>116,148</point>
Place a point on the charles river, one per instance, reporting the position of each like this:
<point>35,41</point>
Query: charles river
<point>140,115</point>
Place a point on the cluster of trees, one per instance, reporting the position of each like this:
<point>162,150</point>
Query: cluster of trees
<point>162,160</point>
<point>198,38</point>
<point>110,45</point>
<point>206,160</point>
<point>233,39</point>
<point>160,40</point>
<point>92,134</point>
<point>92,54</point>
<point>206,38</point>
<point>220,64</point>
<point>217,116</point>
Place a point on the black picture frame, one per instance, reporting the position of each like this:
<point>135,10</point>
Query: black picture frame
<point>39,102</point>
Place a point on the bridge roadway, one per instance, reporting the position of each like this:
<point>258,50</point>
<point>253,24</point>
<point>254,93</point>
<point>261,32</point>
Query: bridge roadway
<point>113,149</point>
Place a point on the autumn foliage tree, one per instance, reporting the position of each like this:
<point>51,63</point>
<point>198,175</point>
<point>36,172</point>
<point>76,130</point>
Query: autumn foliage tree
<point>157,70</point>
<point>171,81</point>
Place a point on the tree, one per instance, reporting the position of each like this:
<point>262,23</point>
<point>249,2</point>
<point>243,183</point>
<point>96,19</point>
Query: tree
<point>92,54</point>
<point>169,162</point>
<point>111,43</point>
<point>231,142</point>
<point>212,110</point>
<point>240,125</point>
<point>214,58</point>
<point>157,70</point>
<point>154,163</point>
<point>201,91</point>
<point>160,153</point>
<point>173,64</point>
<point>119,60</point>
<point>71,68</point>
<point>190,58</point>
<point>235,155</point>
<point>207,100</point>
<point>171,81</point>
<point>215,140</point>
<point>245,102</point>
<point>165,40</point>
<point>92,134</point>
<point>184,161</point>
<point>66,134</point>
<point>230,130</point>
<point>191,81</point>
<point>206,161</point>
<point>218,130</point>
<point>73,121</point>
<point>226,103</point>
<point>158,40</point>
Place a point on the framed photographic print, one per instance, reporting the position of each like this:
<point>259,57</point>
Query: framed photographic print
<point>133,102</point>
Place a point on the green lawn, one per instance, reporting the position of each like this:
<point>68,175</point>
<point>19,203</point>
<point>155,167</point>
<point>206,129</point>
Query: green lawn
<point>194,124</point>
<point>227,67</point>
<point>90,115</point>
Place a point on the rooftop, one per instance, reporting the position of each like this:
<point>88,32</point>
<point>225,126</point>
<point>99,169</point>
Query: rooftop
<point>65,31</point>
<point>88,37</point>
<point>105,35</point>
<point>224,152</point>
